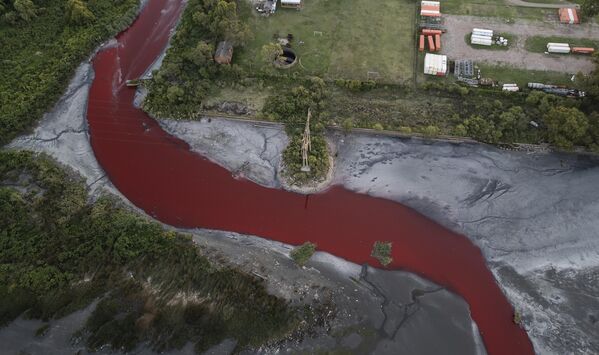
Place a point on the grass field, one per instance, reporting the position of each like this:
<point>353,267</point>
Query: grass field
<point>495,8</point>
<point>358,36</point>
<point>509,74</point>
<point>538,44</point>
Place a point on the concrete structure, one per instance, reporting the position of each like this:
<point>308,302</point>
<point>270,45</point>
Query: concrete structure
<point>224,53</point>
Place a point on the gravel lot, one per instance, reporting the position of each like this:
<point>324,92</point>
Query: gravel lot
<point>455,47</point>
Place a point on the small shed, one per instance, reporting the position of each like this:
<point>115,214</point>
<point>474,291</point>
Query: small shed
<point>435,64</point>
<point>295,4</point>
<point>568,15</point>
<point>430,8</point>
<point>224,52</point>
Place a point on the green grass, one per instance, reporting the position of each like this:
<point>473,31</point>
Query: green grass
<point>509,74</point>
<point>357,37</point>
<point>538,44</point>
<point>493,8</point>
<point>510,37</point>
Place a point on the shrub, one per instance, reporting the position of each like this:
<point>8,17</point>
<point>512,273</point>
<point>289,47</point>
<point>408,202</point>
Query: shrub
<point>302,253</point>
<point>347,125</point>
<point>382,252</point>
<point>430,131</point>
<point>405,130</point>
<point>378,127</point>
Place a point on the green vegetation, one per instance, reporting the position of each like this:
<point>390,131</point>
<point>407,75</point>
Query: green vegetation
<point>42,42</point>
<point>302,253</point>
<point>188,72</point>
<point>494,8</point>
<point>341,39</point>
<point>511,74</point>
<point>538,44</point>
<point>381,251</point>
<point>58,253</point>
<point>589,8</point>
<point>517,318</point>
<point>290,106</point>
<point>437,107</point>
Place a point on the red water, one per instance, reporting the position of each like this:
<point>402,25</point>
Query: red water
<point>159,173</point>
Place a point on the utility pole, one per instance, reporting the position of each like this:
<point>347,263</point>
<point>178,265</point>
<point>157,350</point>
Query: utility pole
<point>306,144</point>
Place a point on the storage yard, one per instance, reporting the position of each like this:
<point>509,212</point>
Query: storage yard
<point>517,54</point>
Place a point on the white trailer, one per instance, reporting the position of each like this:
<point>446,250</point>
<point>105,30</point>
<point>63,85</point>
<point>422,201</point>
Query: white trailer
<point>482,41</point>
<point>560,50</point>
<point>482,32</point>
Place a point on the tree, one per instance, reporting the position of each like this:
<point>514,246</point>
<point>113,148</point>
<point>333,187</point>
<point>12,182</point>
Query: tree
<point>77,13</point>
<point>589,8</point>
<point>591,81</point>
<point>174,93</point>
<point>593,132</point>
<point>513,123</point>
<point>301,254</point>
<point>430,131</point>
<point>565,126</point>
<point>382,252</point>
<point>225,23</point>
<point>460,131</point>
<point>26,9</point>
<point>200,55</point>
<point>271,51</point>
<point>481,129</point>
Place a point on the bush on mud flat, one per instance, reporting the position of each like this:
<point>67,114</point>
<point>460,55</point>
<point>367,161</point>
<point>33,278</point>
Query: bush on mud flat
<point>58,253</point>
<point>382,252</point>
<point>291,107</point>
<point>301,254</point>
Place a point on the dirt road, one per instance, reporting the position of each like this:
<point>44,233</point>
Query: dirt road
<point>455,46</point>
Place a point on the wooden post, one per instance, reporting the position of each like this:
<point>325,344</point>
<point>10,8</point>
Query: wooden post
<point>306,144</point>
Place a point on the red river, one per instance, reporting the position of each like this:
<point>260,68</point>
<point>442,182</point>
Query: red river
<point>159,173</point>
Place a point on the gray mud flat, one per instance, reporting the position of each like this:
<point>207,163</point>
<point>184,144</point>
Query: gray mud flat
<point>369,316</point>
<point>535,216</point>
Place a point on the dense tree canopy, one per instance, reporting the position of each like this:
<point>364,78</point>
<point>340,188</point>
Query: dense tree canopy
<point>590,8</point>
<point>565,126</point>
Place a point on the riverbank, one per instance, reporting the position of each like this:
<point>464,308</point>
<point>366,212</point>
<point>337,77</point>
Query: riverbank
<point>63,133</point>
<point>189,174</point>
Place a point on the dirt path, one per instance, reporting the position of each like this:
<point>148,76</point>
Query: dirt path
<point>455,46</point>
<point>542,6</point>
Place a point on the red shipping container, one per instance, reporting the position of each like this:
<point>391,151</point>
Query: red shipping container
<point>438,42</point>
<point>428,31</point>
<point>421,43</point>
<point>431,43</point>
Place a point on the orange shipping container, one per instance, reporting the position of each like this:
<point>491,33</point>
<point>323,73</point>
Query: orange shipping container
<point>583,50</point>
<point>438,42</point>
<point>431,43</point>
<point>428,31</point>
<point>421,43</point>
